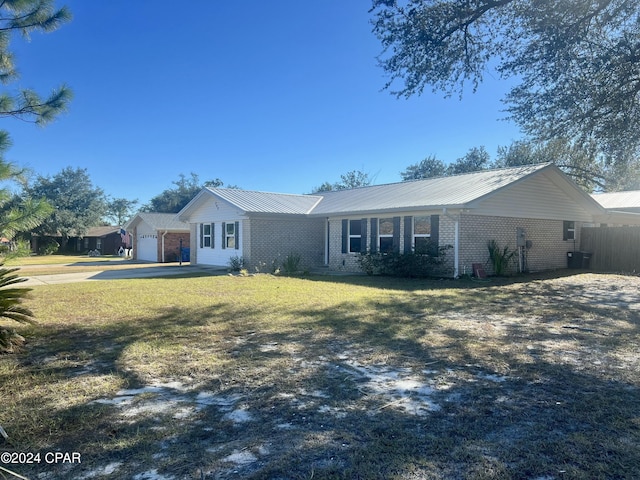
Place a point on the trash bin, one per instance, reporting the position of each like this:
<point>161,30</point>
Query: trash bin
<point>578,259</point>
<point>186,254</point>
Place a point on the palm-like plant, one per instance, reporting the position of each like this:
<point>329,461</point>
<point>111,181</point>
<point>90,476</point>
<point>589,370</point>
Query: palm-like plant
<point>11,307</point>
<point>500,258</point>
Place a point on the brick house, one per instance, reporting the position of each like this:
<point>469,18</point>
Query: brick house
<point>536,210</point>
<point>156,237</point>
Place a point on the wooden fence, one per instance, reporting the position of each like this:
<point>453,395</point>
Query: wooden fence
<point>613,249</point>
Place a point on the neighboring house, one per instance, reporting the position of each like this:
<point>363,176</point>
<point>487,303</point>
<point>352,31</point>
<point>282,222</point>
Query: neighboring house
<point>157,236</point>
<point>619,202</point>
<point>535,209</point>
<point>107,240</point>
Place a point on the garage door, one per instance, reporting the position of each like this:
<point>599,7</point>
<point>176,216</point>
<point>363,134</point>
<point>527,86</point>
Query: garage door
<point>147,248</point>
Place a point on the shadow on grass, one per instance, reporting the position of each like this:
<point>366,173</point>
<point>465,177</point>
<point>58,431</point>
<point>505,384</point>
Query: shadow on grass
<point>330,394</point>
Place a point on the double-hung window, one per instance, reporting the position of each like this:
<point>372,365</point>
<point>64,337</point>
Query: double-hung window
<point>355,236</point>
<point>385,235</point>
<point>568,230</point>
<point>206,234</point>
<point>421,234</point>
<point>230,235</point>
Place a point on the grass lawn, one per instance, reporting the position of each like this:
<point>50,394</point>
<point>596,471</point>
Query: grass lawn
<point>329,377</point>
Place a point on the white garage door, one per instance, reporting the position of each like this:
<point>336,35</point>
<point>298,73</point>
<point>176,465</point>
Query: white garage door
<point>147,248</point>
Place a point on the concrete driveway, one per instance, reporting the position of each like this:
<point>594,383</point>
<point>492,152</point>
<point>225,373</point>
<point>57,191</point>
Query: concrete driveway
<point>153,270</point>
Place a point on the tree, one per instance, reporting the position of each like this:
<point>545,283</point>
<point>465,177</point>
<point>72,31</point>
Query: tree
<point>351,179</point>
<point>430,167</point>
<point>576,64</point>
<point>120,210</point>
<point>475,159</point>
<point>17,214</point>
<point>24,16</point>
<point>27,17</point>
<point>78,204</point>
<point>172,200</point>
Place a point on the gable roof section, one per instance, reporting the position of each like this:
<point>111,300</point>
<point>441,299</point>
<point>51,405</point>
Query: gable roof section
<point>254,202</point>
<point>158,221</point>
<point>456,191</point>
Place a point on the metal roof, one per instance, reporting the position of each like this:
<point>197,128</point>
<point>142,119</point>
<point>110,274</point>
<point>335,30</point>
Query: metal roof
<point>618,200</point>
<point>451,191</point>
<point>158,221</point>
<point>266,202</point>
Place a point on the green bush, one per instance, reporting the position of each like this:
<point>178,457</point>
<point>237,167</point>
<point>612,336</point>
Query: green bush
<point>236,263</point>
<point>11,298</point>
<point>500,258</point>
<point>405,264</point>
<point>291,264</point>
<point>48,247</point>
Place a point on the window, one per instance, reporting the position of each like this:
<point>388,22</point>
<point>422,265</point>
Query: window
<point>421,234</point>
<point>385,235</point>
<point>568,230</point>
<point>206,235</point>
<point>99,244</point>
<point>230,235</point>
<point>355,236</point>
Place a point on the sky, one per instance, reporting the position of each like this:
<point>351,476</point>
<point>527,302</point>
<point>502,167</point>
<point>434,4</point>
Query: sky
<point>277,96</point>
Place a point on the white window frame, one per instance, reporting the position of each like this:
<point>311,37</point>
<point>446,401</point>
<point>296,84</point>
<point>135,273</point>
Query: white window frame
<point>206,236</point>
<point>385,235</point>
<point>230,238</point>
<point>420,235</point>
<point>352,236</point>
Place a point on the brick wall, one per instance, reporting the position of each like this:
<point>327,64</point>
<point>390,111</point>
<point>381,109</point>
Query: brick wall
<point>271,240</point>
<point>548,250</point>
<point>172,245</point>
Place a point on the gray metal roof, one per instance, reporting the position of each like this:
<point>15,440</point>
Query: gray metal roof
<point>451,191</point>
<point>159,221</point>
<point>618,200</point>
<point>266,202</point>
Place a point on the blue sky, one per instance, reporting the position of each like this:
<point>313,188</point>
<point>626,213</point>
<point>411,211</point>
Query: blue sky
<point>276,96</point>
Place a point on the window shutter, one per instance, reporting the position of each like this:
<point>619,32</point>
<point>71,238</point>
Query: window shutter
<point>363,238</point>
<point>396,234</point>
<point>374,235</point>
<point>237,232</point>
<point>224,232</point>
<point>435,234</point>
<point>201,235</point>
<point>408,233</point>
<point>345,236</point>
<point>212,234</point>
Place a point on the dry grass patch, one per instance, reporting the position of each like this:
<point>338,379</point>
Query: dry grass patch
<point>271,377</point>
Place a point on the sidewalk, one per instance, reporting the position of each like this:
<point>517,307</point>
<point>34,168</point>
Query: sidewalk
<point>155,270</point>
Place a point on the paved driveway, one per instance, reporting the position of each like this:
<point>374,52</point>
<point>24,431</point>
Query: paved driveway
<point>153,270</point>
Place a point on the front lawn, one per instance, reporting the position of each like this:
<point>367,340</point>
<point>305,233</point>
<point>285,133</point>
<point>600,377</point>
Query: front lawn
<point>329,377</point>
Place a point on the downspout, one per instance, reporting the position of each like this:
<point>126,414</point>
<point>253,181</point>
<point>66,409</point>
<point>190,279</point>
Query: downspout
<point>165,232</point>
<point>456,242</point>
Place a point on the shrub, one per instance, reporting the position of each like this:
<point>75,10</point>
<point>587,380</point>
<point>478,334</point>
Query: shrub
<point>21,248</point>
<point>11,307</point>
<point>291,263</point>
<point>236,263</point>
<point>405,264</point>
<point>48,247</point>
<point>500,258</point>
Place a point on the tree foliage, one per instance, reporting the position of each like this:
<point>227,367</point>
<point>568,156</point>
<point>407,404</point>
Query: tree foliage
<point>78,204</point>
<point>11,307</point>
<point>27,17</point>
<point>120,210</point>
<point>172,200</point>
<point>475,159</point>
<point>575,63</point>
<point>351,179</point>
